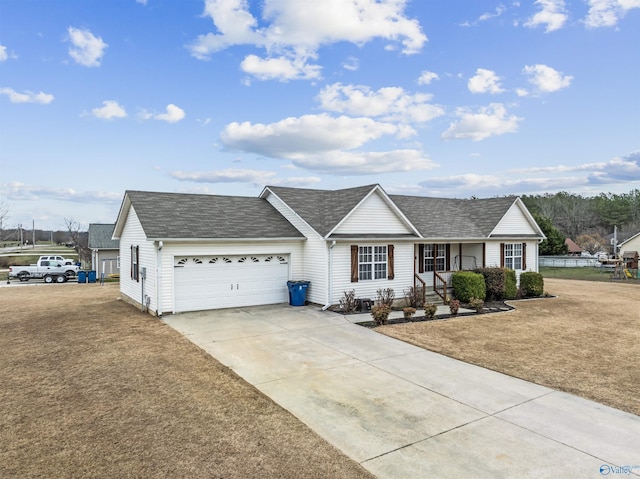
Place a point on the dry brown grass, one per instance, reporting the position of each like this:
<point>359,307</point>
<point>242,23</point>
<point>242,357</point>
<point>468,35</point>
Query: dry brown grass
<point>586,341</point>
<point>91,387</point>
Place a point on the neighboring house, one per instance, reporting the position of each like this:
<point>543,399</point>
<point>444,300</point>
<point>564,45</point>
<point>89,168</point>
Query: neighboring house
<point>629,250</point>
<point>187,252</point>
<point>572,247</point>
<point>105,251</point>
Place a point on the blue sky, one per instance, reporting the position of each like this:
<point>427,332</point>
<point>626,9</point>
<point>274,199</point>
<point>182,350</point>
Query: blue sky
<point>436,98</point>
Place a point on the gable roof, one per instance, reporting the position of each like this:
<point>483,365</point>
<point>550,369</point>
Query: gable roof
<point>197,216</point>
<point>454,218</point>
<point>100,236</point>
<point>629,239</point>
<point>323,210</point>
<point>572,246</point>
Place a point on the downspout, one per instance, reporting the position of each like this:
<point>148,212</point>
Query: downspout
<point>159,280</point>
<point>330,282</point>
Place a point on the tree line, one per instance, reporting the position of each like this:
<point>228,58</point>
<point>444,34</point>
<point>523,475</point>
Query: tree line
<point>585,219</point>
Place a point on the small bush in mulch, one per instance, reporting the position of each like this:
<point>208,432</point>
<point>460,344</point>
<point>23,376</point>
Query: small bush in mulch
<point>489,307</point>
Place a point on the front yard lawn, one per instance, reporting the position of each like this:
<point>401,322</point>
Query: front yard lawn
<point>91,387</point>
<point>586,341</point>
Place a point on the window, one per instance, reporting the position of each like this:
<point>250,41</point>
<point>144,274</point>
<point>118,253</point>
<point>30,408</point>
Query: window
<point>371,262</point>
<point>435,257</point>
<point>513,256</point>
<point>135,263</point>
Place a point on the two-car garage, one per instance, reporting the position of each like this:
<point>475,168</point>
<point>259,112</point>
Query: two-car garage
<point>223,281</point>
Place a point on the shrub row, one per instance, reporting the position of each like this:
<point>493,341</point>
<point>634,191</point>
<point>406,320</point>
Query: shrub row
<point>495,284</point>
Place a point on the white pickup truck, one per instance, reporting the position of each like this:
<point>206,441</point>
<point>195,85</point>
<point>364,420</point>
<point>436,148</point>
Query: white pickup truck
<point>50,271</point>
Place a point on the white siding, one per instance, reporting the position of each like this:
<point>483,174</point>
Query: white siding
<point>133,235</point>
<point>632,245</point>
<point>373,216</point>
<point>315,255</point>
<point>341,261</point>
<point>172,250</point>
<point>514,222</point>
<point>494,260</point>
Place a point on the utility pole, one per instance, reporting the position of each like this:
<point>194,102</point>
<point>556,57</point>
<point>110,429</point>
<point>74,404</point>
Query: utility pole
<point>33,231</point>
<point>21,241</point>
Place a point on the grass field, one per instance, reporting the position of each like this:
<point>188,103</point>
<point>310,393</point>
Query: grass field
<point>585,274</point>
<point>585,341</point>
<point>93,388</point>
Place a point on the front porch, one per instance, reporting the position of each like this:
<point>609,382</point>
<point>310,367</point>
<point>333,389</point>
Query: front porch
<point>434,263</point>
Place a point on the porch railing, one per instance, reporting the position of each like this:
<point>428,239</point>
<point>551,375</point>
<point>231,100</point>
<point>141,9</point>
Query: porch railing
<point>424,288</point>
<point>440,286</point>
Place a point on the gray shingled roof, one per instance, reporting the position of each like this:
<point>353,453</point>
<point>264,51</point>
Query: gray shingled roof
<point>191,216</point>
<point>100,236</point>
<point>453,218</point>
<point>322,209</point>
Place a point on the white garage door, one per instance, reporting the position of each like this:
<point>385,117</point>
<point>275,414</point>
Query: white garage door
<point>212,282</point>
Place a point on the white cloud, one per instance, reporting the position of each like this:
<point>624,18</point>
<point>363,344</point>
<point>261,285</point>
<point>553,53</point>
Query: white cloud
<point>172,114</point>
<point>86,49</point>
<point>295,137</point>
<point>254,177</point>
<point>484,81</point>
<point>489,121</point>
<point>110,109</point>
<point>607,13</point>
<point>229,175</point>
<point>351,64</point>
<point>22,191</point>
<point>623,171</point>
<point>27,96</point>
<point>545,79</point>
<point>552,14</point>
<point>426,77</point>
<point>366,163</point>
<point>499,11</point>
<point>295,30</point>
<point>389,103</point>
<point>280,68</point>
<point>142,2</point>
<point>3,53</point>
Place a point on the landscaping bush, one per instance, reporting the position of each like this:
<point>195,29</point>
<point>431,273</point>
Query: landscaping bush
<point>454,306</point>
<point>386,296</point>
<point>510,284</point>
<point>531,284</point>
<point>477,304</point>
<point>494,280</point>
<point>408,312</point>
<point>415,296</point>
<point>380,313</point>
<point>348,302</point>
<point>430,310</point>
<point>467,285</point>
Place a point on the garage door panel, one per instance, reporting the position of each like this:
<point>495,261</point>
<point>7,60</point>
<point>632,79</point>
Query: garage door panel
<point>221,282</point>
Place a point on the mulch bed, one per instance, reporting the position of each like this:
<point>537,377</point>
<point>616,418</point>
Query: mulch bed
<point>489,307</point>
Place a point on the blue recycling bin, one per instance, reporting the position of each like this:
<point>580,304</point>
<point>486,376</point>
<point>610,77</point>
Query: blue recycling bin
<point>82,276</point>
<point>91,276</point>
<point>297,292</point>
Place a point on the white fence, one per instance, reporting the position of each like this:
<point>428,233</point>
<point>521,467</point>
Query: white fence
<point>568,261</point>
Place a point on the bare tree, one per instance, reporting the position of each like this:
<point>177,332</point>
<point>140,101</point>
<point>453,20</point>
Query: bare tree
<point>4,215</point>
<point>80,240</point>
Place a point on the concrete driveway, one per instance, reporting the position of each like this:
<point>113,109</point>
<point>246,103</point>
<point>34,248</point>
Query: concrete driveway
<point>404,412</point>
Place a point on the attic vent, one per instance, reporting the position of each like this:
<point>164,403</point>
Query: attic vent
<point>182,261</point>
<point>197,260</point>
